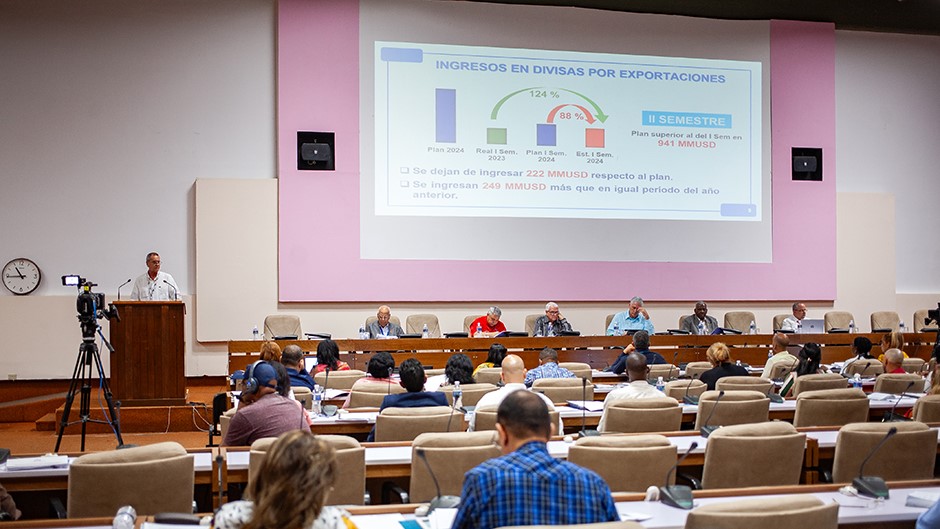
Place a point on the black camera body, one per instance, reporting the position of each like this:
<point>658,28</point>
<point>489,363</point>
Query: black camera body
<point>933,315</point>
<point>90,305</point>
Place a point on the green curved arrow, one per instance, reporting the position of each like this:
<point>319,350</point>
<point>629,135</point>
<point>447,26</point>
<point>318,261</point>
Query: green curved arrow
<point>598,113</point>
<point>503,100</point>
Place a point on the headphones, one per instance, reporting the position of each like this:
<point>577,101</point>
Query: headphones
<point>251,383</point>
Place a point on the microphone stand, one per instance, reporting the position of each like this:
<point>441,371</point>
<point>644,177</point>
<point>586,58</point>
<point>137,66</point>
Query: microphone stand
<point>679,496</point>
<point>891,416</point>
<point>122,286</point>
<point>873,486</point>
<point>439,501</point>
<point>690,399</point>
<point>706,430</point>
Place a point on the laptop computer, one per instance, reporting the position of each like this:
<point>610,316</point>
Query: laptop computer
<point>813,326</point>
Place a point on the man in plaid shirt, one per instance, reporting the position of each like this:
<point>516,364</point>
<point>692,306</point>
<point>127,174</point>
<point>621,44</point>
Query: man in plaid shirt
<point>548,368</point>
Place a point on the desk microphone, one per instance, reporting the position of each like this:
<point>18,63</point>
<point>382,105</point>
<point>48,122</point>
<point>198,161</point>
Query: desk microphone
<point>122,286</point>
<point>584,431</point>
<point>453,409</point>
<point>690,399</point>
<point>891,416</point>
<point>679,496</point>
<point>776,397</point>
<point>444,502</point>
<point>175,291</point>
<point>326,379</point>
<point>872,486</point>
<point>389,391</point>
<point>220,463</point>
<point>706,430</point>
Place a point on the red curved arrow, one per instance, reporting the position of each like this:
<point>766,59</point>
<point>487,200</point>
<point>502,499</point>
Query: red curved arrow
<point>587,113</point>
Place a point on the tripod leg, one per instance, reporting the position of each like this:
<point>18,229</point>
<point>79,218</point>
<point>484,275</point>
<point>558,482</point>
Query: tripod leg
<point>106,388</point>
<point>70,396</point>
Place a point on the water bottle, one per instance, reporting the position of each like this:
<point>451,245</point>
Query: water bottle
<point>753,328</point>
<point>616,329</point>
<point>701,327</point>
<point>254,334</point>
<point>317,401</point>
<point>857,381</point>
<point>363,334</point>
<point>770,354</point>
<point>660,385</point>
<point>738,363</point>
<point>479,329</point>
<point>851,326</point>
<point>125,518</point>
<point>424,331</point>
<point>458,394</point>
<point>901,326</point>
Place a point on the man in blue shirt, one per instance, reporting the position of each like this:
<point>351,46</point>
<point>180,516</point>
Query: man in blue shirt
<point>548,368</point>
<point>634,318</point>
<point>292,358</point>
<point>527,486</point>
<point>412,376</point>
<point>641,345</point>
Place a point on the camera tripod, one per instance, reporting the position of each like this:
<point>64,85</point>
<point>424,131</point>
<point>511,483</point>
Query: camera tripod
<point>88,358</point>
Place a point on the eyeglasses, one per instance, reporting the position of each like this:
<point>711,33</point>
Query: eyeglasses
<point>551,311</point>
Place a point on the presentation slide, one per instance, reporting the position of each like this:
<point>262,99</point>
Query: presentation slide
<point>472,131</point>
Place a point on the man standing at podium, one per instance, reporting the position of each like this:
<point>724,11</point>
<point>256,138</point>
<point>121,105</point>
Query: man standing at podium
<point>155,285</point>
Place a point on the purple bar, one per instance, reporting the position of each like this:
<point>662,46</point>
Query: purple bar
<point>545,134</point>
<point>445,113</point>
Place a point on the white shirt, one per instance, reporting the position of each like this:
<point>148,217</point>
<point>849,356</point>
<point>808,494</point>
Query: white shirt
<point>782,356</point>
<point>146,289</point>
<point>638,389</point>
<point>494,398</point>
<point>791,324</point>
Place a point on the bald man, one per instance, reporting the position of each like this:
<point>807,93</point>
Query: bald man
<point>383,327</point>
<point>894,361</point>
<point>638,388</point>
<point>780,344</point>
<point>513,377</point>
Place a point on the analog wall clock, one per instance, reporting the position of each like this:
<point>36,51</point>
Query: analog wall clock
<point>21,276</point>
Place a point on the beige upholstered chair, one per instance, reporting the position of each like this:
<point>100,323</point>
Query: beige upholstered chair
<point>304,396</point>
<point>678,389</point>
<point>282,325</point>
<point>451,455</point>
<point>414,324</point>
<point>471,393</point>
<point>339,379</point>
<point>392,319</point>
<point>225,419</point>
<point>564,389</point>
<point>695,369</point>
<point>599,525</point>
<point>908,455</point>
<point>468,320</point>
<point>739,320</point>
<point>486,419</point>
<point>643,415</point>
<point>434,372</point>
<point>738,383</point>
<point>371,396</point>
<point>885,320</point>
<point>897,383</point>
<point>867,367</point>
<point>787,512</point>
<point>530,323</point>
<point>404,424</point>
<point>580,369</point>
<point>818,382</point>
<point>667,371</point>
<point>927,409</point>
<point>734,454</point>
<point>837,319</point>
<point>918,322</point>
<point>489,375</point>
<point>607,320</point>
<point>628,463</point>
<point>153,478</point>
<point>778,321</point>
<point>913,365</point>
<point>830,407</point>
<point>736,407</point>
<point>782,368</point>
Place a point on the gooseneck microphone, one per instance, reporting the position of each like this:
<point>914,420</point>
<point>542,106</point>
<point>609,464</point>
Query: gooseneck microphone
<point>707,430</point>
<point>679,496</point>
<point>776,397</point>
<point>175,291</point>
<point>444,502</point>
<point>389,391</point>
<point>122,286</point>
<point>891,416</point>
<point>690,399</point>
<point>584,431</point>
<point>326,379</point>
<point>873,486</point>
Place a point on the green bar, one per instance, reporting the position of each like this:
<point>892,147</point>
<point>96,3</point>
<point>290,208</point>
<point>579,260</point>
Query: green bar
<point>496,136</point>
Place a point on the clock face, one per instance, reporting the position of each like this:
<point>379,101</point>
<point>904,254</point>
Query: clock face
<point>21,276</point>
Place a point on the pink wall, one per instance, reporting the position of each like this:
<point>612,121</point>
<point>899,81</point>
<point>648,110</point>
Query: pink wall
<point>319,211</point>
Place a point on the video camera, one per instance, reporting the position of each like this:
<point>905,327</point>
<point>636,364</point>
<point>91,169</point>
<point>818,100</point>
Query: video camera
<point>90,305</point>
<point>933,315</point>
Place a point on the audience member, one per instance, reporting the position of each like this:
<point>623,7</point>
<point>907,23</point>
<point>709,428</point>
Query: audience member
<point>412,376</point>
<point>794,323</point>
<point>552,323</point>
<point>494,358</point>
<point>699,322</point>
<point>780,344</point>
<point>810,358</point>
<point>861,350</point>
<point>635,318</point>
<point>548,368</point>
<point>270,351</point>
<point>489,325</point>
<point>719,356</point>
<point>378,372</point>
<point>154,285</point>
<point>638,388</point>
<point>513,377</point>
<point>891,340</point>
<point>383,327</point>
<point>641,345</point>
<point>8,510</point>
<point>293,360</point>
<point>459,368</point>
<point>328,357</point>
<point>894,361</point>
<point>527,486</point>
<point>264,411</point>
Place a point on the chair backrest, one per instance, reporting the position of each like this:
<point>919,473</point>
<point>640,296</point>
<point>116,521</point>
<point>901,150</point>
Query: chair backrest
<point>739,320</point>
<point>736,407</point>
<point>259,450</point>
<point>489,375</point>
<point>695,369</point>
<point>778,321</point>
<point>643,415</point>
<point>908,455</point>
<point>451,455</point>
<point>414,324</point>
<point>866,367</point>
<point>737,383</point>
<point>304,396</point>
<point>471,393</point>
<point>225,419</point>
<point>434,372</point>
<point>371,396</point>
<point>783,367</point>
<point>678,389</point>
<point>819,381</point>
<point>282,325</point>
<point>897,383</point>
<point>607,320</point>
<point>404,424</point>
<point>153,478</point>
<point>786,512</point>
<point>733,452</point>
<point>530,323</point>
<point>339,379</point>
<point>913,365</point>
<point>837,319</point>
<point>467,320</point>
<point>485,418</point>
<point>885,319</point>
<point>392,319</point>
<point>564,389</point>
<point>628,463</point>
<point>667,371</point>
<point>830,407</point>
<point>580,369</point>
<point>927,409</point>
<point>918,322</point>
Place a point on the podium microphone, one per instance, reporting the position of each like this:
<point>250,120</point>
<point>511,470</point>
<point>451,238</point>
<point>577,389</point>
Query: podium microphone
<point>176,293</point>
<point>891,416</point>
<point>873,486</point>
<point>584,431</point>
<point>679,496</point>
<point>122,286</point>
<point>444,502</point>
<point>707,430</point>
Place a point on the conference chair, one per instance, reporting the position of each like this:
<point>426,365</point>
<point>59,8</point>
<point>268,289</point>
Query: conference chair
<point>913,365</point>
<point>643,415</point>
<point>392,319</point>
<point>927,409</point>
<point>782,368</point>
<point>867,367</point>
<point>610,318</point>
<point>580,369</point>
<point>404,424</point>
<point>819,381</point>
<point>598,525</point>
<point>667,371</point>
<point>735,407</point>
<point>830,407</point>
<point>530,323</point>
<point>304,396</point>
<point>918,322</point>
<point>471,393</point>
<point>282,325</point>
<point>371,396</point>
<point>908,455</point>
<point>885,321</point>
<point>782,512</point>
<point>225,419</point>
<point>414,324</point>
<point>695,369</point>
<point>738,383</point>
<point>778,321</point>
<point>564,389</point>
<point>342,380</point>
<point>485,419</point>
<point>468,320</point>
<point>753,455</point>
<point>837,319</point>
<point>897,383</point>
<point>434,372</point>
<point>153,478</point>
<point>489,375</point>
<point>678,389</point>
<point>739,320</point>
<point>628,463</point>
<point>450,455</point>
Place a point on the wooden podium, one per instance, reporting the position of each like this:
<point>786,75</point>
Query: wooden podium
<point>147,363</point>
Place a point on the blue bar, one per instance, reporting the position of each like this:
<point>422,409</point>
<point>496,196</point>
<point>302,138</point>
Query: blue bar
<point>545,134</point>
<point>656,118</point>
<point>445,113</point>
<point>738,210</point>
<point>402,55</point>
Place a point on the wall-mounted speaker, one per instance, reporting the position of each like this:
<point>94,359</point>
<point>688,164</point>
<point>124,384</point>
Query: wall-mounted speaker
<point>807,163</point>
<point>315,151</point>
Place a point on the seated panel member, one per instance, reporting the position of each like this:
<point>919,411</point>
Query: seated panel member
<point>639,387</point>
<point>794,323</point>
<point>155,285</point>
<point>699,322</point>
<point>489,325</point>
<point>641,345</point>
<point>633,319</point>
<point>552,323</point>
<point>383,327</point>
